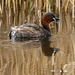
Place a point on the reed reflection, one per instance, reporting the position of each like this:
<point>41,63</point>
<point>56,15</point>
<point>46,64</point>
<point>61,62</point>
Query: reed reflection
<point>46,47</point>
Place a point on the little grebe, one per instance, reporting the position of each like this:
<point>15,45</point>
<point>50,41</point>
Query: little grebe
<point>30,31</point>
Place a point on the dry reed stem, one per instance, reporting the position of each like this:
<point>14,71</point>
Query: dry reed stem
<point>73,10</point>
<point>67,2</point>
<point>60,24</point>
<point>7,18</point>
<point>44,4</point>
<point>20,3</point>
<point>24,5</point>
<point>0,23</point>
<point>28,19</point>
<point>33,20</point>
<point>69,27</point>
<point>49,7</point>
<point>47,3</point>
<point>20,18</point>
<point>57,5</point>
<point>23,16</point>
<point>27,3</point>
<point>31,64</point>
<point>2,6</point>
<point>9,8</point>
<point>33,6</point>
<point>39,12</point>
<point>14,6</point>
<point>36,8</point>
<point>16,3</point>
<point>6,3</point>
<point>14,20</point>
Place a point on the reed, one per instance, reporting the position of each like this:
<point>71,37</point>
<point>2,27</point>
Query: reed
<point>14,21</point>
<point>16,3</point>
<point>20,3</point>
<point>32,61</point>
<point>73,10</point>
<point>33,19</point>
<point>14,6</point>
<point>39,11</point>
<point>30,3</point>
<point>20,20</point>
<point>57,6</point>
<point>66,5</point>
<point>6,3</point>
<point>27,3</point>
<point>24,5</point>
<point>28,19</point>
<point>47,4</point>
<point>2,7</point>
<point>9,8</point>
<point>44,5</point>
<point>36,9</point>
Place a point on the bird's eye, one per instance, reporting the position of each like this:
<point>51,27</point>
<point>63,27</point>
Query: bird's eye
<point>54,19</point>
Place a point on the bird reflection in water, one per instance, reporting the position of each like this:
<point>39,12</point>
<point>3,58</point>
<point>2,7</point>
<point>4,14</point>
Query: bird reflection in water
<point>46,49</point>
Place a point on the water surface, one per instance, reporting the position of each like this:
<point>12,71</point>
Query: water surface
<point>34,57</point>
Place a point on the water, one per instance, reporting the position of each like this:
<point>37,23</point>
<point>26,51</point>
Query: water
<point>53,56</point>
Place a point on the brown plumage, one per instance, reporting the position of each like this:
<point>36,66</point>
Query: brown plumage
<point>30,31</point>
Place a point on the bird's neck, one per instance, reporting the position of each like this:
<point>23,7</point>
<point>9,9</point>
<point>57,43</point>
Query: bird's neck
<point>46,27</point>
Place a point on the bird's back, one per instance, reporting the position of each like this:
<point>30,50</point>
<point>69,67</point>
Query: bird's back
<point>28,31</point>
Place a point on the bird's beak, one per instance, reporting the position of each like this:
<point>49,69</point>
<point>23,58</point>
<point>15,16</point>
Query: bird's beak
<point>56,19</point>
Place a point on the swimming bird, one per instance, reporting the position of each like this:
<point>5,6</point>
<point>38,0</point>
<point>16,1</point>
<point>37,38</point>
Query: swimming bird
<point>33,31</point>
